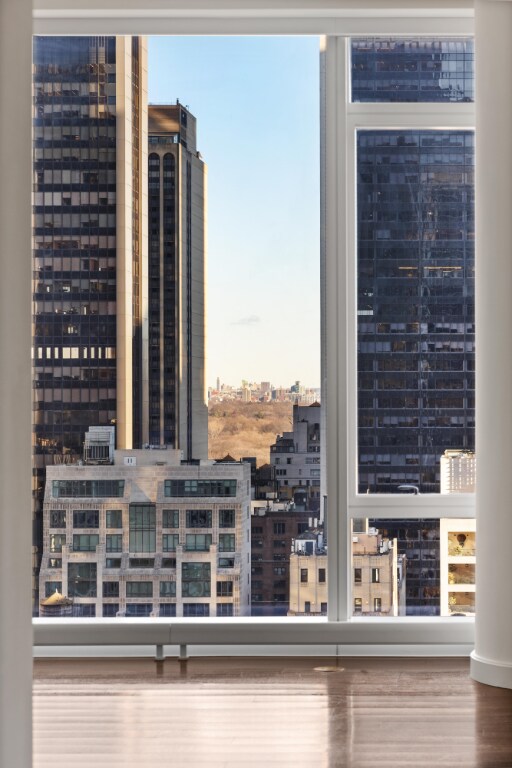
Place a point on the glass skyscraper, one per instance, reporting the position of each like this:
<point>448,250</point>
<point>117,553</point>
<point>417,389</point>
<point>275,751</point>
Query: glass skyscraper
<point>415,266</point>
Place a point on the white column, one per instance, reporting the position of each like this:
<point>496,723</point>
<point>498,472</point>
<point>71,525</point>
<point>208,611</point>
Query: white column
<point>15,384</point>
<point>491,661</point>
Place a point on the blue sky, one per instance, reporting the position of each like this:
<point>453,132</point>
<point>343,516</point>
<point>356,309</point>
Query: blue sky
<point>256,101</point>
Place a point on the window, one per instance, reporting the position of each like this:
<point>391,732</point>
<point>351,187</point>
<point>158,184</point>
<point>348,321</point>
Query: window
<point>167,589</point>
<point>114,518</point>
<point>321,576</point>
<point>191,488</point>
<point>224,589</point>
<point>142,528</point>
<point>57,541</point>
<point>323,609</point>
<point>57,518</point>
<point>225,609</point>
<point>307,607</point>
<point>113,562</point>
<point>168,562</point>
<point>227,562</point>
<point>87,488</point>
<point>191,610</point>
<point>280,570</point>
<point>304,575</point>
<point>139,589</point>
<point>54,562</point>
<point>85,542</point>
<point>110,610</point>
<point>170,541</point>
<point>110,589</point>
<point>199,518</point>
<point>198,542</point>
<point>375,575</point>
<point>139,609</point>
<point>195,579</point>
<point>82,580</point>
<point>114,542</point>
<point>358,575</point>
<point>227,542</point>
<point>168,609</point>
<point>279,528</point>
<point>377,604</point>
<point>226,518</point>
<point>358,605</point>
<point>89,518</point>
<point>50,587</point>
<point>171,518</point>
<point>141,562</point>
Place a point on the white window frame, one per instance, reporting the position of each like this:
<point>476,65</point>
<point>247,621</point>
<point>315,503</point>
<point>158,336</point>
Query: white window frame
<point>336,20</point>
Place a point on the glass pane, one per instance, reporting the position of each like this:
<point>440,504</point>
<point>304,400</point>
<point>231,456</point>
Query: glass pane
<point>414,567</point>
<point>140,519</point>
<point>412,69</point>
<point>416,325</point>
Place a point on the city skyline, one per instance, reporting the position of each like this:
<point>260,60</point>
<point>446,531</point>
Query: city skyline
<point>254,121</point>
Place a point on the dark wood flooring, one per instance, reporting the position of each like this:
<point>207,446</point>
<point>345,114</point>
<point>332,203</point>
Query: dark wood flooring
<point>238,712</point>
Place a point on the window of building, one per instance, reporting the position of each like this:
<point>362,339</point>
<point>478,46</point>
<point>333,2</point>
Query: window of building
<point>226,518</point>
<point>225,609</point>
<point>191,610</point>
<point>142,528</point>
<point>84,611</point>
<point>141,562</point>
<point>168,562</point>
<point>57,518</point>
<point>279,544</point>
<point>302,528</point>
<point>321,576</point>
<point>114,518</point>
<point>307,607</point>
<point>323,609</point>
<point>110,589</point>
<point>50,587</point>
<point>375,575</point>
<point>112,562</point>
<point>139,589</point>
<point>279,528</point>
<point>227,542</point>
<point>358,605</point>
<point>199,518</point>
<point>85,542</point>
<point>170,541</point>
<point>54,562</point>
<point>110,610</point>
<point>358,575</point>
<point>200,488</point>
<point>304,575</point>
<point>114,542</point>
<point>167,589</point>
<point>86,518</point>
<point>75,489</point>
<point>139,609</point>
<point>229,562</point>
<point>57,541</point>
<point>82,580</point>
<point>168,609</point>
<point>280,570</point>
<point>171,518</point>
<point>198,542</point>
<point>224,589</point>
<point>195,579</point>
<point>377,604</point>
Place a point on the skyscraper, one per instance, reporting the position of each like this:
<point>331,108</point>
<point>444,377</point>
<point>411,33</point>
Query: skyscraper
<point>96,293</point>
<point>178,414</point>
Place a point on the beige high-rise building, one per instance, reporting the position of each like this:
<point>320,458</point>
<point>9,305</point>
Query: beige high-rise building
<point>178,411</point>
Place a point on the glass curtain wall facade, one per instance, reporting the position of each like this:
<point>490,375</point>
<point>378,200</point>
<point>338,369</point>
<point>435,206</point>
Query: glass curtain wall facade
<point>416,355</point>
<point>415,261</point>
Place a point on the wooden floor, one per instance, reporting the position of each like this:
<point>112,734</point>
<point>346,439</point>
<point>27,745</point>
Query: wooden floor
<point>355,713</point>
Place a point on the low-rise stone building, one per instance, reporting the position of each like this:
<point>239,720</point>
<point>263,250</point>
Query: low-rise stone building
<point>149,535</point>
